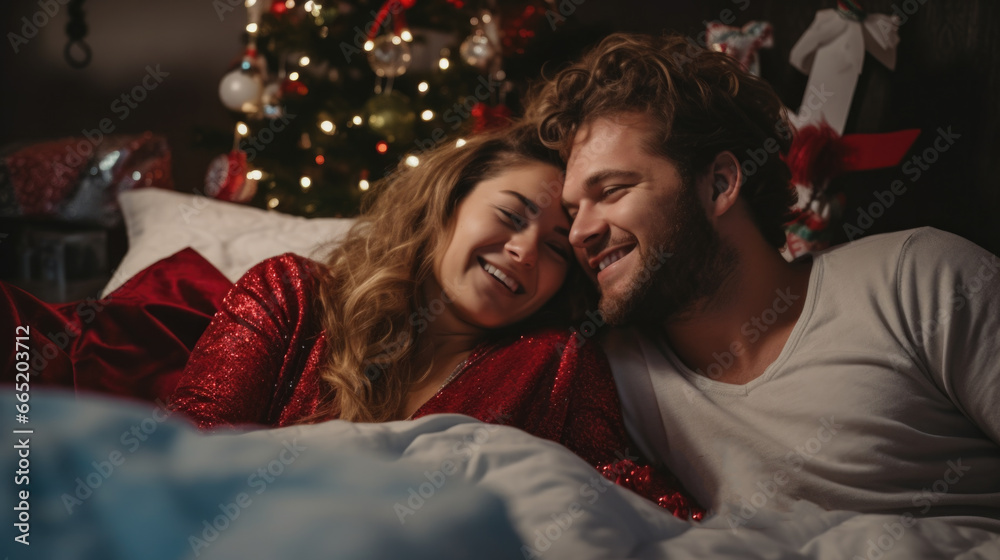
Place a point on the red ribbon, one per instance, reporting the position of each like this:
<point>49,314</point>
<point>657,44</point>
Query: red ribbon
<point>819,154</point>
<point>875,151</point>
<point>390,6</point>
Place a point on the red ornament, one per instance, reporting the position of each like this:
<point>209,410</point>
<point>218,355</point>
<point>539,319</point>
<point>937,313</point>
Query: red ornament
<point>488,118</point>
<point>227,178</point>
<point>816,155</point>
<point>293,87</point>
<point>519,25</point>
<point>278,7</point>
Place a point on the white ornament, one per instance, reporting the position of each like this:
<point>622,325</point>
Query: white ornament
<point>240,90</point>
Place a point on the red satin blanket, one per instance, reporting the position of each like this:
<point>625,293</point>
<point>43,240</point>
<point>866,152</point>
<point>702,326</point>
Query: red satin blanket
<point>133,343</point>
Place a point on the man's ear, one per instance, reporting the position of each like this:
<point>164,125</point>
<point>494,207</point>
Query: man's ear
<point>726,178</point>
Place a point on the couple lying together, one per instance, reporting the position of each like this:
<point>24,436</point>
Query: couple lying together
<point>454,292</point>
<point>861,379</point>
<point>867,382</point>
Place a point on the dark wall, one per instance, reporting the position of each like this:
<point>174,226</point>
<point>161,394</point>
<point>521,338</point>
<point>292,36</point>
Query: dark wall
<point>45,98</point>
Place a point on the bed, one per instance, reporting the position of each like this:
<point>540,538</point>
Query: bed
<point>114,478</point>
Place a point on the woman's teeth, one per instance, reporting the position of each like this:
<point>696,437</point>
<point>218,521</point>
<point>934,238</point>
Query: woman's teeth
<point>499,275</point>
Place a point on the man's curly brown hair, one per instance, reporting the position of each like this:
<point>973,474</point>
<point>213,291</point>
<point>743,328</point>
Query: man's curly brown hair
<point>700,102</point>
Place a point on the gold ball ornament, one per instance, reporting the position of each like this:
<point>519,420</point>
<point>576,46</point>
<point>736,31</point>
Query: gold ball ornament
<point>391,116</point>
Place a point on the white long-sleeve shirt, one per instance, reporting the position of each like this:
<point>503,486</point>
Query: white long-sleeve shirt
<point>885,398</point>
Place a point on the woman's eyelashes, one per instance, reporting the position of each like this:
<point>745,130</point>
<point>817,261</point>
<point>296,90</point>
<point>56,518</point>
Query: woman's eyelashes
<point>513,219</point>
<point>518,222</point>
<point>559,250</point>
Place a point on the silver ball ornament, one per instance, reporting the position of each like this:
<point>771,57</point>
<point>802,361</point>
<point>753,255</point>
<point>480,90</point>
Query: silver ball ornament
<point>389,56</point>
<point>477,50</point>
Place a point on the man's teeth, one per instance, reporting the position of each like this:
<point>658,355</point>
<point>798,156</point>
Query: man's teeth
<point>499,275</point>
<point>611,259</point>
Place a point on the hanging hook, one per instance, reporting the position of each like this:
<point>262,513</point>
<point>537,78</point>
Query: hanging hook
<point>77,30</point>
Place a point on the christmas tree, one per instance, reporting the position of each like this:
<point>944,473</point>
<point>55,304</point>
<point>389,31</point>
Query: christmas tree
<point>330,97</point>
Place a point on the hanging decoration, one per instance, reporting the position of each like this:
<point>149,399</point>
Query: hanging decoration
<point>228,177</point>
<point>390,115</point>
<point>477,50</point>
<point>278,8</point>
<point>481,48</point>
<point>483,51</point>
<point>77,52</point>
<point>272,92</point>
<point>395,8</point>
<point>241,89</point>
<point>818,155</point>
<point>518,23</point>
<point>832,52</point>
<point>741,43</point>
<point>271,98</point>
<point>487,117</point>
<point>389,56</point>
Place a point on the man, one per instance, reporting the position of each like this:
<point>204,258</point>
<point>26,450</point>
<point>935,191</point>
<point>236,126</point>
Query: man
<point>863,379</point>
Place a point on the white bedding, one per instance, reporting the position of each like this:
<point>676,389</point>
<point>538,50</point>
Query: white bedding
<point>233,237</point>
<point>439,487</point>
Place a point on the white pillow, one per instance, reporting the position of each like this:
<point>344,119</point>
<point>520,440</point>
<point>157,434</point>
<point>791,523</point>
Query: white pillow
<point>231,236</point>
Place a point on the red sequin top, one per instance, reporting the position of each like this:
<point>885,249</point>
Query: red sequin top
<point>258,363</point>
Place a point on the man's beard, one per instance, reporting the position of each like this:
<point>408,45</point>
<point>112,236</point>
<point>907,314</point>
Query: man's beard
<point>684,262</point>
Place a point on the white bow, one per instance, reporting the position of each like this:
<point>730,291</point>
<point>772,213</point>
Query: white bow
<point>832,52</point>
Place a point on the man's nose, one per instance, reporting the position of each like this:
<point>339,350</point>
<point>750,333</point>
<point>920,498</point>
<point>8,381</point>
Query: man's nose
<point>588,227</point>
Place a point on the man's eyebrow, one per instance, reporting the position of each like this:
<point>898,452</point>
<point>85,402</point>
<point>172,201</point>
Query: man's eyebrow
<point>596,179</point>
<point>531,206</point>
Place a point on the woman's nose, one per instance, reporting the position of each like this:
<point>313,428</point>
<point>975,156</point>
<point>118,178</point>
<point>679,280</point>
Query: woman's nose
<point>523,248</point>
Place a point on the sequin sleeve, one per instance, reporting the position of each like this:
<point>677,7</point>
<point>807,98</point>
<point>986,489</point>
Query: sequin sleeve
<point>596,431</point>
<point>236,372</point>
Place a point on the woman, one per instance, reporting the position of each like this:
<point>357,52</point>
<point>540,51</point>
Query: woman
<point>422,310</point>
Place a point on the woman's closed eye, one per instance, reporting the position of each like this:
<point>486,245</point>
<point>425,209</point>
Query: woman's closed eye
<point>559,250</point>
<point>518,223</point>
<point>513,219</point>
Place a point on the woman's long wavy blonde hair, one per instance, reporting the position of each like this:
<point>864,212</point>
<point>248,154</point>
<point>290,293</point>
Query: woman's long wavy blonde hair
<point>372,289</point>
